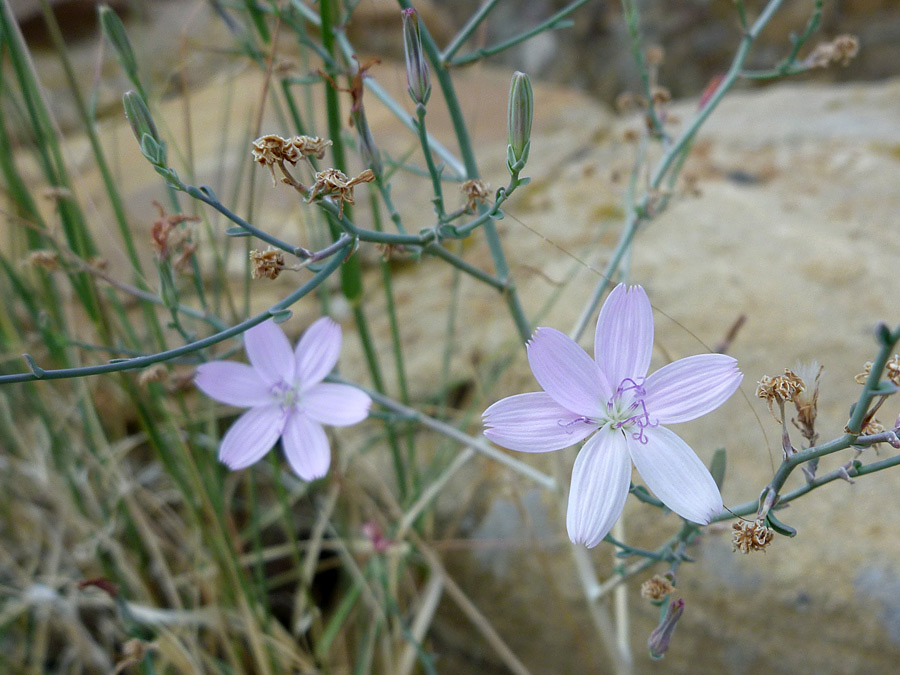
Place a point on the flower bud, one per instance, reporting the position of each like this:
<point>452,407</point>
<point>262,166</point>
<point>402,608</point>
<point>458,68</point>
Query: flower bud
<point>416,67</point>
<point>660,638</point>
<point>114,31</point>
<point>144,129</point>
<point>520,113</point>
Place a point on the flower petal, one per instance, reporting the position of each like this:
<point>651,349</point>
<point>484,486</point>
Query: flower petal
<point>534,423</point>
<point>337,404</point>
<point>317,352</point>
<point>601,478</point>
<point>675,474</point>
<point>566,372</point>
<point>691,387</point>
<point>270,352</point>
<point>306,447</point>
<point>251,436</point>
<point>232,383</point>
<point>623,342</point>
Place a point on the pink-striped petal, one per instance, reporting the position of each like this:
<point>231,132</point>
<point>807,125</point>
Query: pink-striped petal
<point>270,352</point>
<point>623,342</point>
<point>691,387</point>
<point>336,404</point>
<point>251,436</point>
<point>675,474</point>
<point>534,423</point>
<point>601,478</point>
<point>317,352</point>
<point>306,447</point>
<point>566,372</point>
<point>233,383</point>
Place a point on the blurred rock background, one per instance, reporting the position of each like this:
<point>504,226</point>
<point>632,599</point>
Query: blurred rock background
<point>790,219</point>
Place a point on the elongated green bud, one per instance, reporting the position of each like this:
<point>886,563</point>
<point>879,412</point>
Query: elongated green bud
<point>114,31</point>
<point>416,67</point>
<point>141,122</point>
<point>520,114</point>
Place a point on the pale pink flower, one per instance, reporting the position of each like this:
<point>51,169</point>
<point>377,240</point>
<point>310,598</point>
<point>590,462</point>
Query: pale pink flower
<point>286,395</point>
<point>611,399</point>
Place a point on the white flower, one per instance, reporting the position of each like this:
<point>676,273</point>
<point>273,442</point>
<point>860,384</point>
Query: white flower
<point>612,400</point>
<point>287,399</point>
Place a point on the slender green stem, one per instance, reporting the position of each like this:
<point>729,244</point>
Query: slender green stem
<point>433,170</point>
<point>466,31</point>
<point>672,157</point>
<point>632,21</point>
<point>143,361</point>
<point>555,21</point>
<point>457,171</point>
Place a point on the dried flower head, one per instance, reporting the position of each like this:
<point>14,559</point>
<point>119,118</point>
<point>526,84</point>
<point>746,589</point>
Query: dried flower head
<point>873,427</point>
<point>777,390</point>
<point>655,55</point>
<point>749,536</point>
<point>661,95</point>
<point>170,238</point>
<point>841,50</point>
<point>45,259</point>
<point>476,192</point>
<point>266,264</point>
<point>657,588</point>
<point>891,371</point>
<point>309,146</point>
<point>272,150</point>
<point>155,373</point>
<point>335,183</point>
<point>807,399</point>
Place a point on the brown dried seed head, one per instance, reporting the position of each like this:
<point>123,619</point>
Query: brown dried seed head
<point>748,536</point>
<point>310,146</point>
<point>476,192</point>
<point>873,427</point>
<point>892,369</point>
<point>661,95</point>
<point>655,55</point>
<point>48,260</point>
<point>846,47</point>
<point>268,149</point>
<point>266,264</point>
<point>656,588</point>
<point>155,373</point>
<point>781,388</point>
<point>337,183</point>
<point>840,50</point>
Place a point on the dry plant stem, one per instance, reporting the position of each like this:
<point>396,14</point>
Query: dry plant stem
<point>428,605</point>
<point>479,443</point>
<point>620,603</point>
<point>469,609</point>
